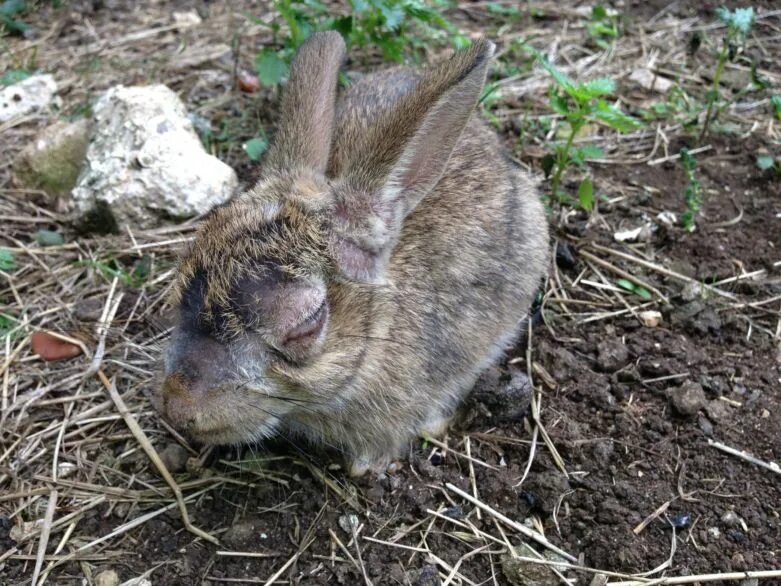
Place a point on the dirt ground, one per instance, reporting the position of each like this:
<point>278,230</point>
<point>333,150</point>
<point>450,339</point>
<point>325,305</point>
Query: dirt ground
<point>622,473</point>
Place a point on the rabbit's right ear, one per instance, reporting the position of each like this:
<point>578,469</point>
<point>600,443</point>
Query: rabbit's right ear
<point>304,132</point>
<point>401,159</point>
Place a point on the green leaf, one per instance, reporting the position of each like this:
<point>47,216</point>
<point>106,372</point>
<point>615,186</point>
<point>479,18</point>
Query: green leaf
<point>642,292</point>
<point>598,12</point>
<point>586,194</point>
<point>558,103</point>
<point>14,26</point>
<point>598,87</point>
<point>775,101</point>
<point>742,19</point>
<point>48,238</point>
<point>7,262</point>
<point>13,76</point>
<point>142,269</point>
<point>615,118</point>
<point>11,7</point>
<point>632,288</point>
<point>270,67</point>
<point>393,15</point>
<point>255,147</point>
<point>548,162</point>
<point>580,154</point>
<point>460,42</point>
<point>343,25</point>
<point>560,78</point>
<point>765,162</point>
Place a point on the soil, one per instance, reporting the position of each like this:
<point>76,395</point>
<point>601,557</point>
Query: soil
<point>631,410</point>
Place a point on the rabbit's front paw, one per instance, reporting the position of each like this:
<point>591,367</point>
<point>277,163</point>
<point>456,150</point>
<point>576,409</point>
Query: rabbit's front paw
<point>369,463</point>
<point>435,426</point>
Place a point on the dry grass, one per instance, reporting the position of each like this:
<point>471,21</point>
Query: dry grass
<point>74,440</point>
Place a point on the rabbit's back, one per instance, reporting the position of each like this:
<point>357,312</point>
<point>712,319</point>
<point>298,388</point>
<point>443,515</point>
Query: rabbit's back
<point>465,268</point>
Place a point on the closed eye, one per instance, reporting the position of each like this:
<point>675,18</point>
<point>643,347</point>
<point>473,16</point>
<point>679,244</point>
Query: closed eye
<point>309,327</point>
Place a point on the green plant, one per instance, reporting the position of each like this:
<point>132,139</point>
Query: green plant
<point>9,13</point>
<point>678,106</point>
<point>602,27</point>
<point>397,27</point>
<point>112,268</point>
<point>7,324</point>
<point>579,104</point>
<point>13,76</point>
<point>693,192</point>
<point>739,23</point>
<point>7,261</point>
<point>255,147</point>
<point>775,101</point>
<point>766,162</point>
<point>628,285</point>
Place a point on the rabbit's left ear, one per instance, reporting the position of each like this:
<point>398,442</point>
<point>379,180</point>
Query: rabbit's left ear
<point>403,156</point>
<point>304,133</point>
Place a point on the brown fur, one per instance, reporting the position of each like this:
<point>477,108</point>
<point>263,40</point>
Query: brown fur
<point>398,208</point>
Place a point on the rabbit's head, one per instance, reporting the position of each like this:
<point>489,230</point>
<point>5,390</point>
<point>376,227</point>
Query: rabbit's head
<point>268,288</point>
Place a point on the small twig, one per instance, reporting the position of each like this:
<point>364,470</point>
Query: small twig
<point>45,532</point>
<point>472,480</point>
<point>728,576</point>
<point>146,445</point>
<point>533,535</point>
<point>678,156</point>
<point>655,515</point>
<point>772,466</point>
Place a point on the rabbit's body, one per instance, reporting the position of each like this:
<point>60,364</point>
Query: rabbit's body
<point>428,262</point>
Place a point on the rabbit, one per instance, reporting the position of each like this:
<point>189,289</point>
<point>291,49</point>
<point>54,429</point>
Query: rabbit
<point>384,259</point>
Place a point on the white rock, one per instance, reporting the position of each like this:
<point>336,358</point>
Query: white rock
<point>641,233</point>
<point>650,81</point>
<point>650,318</point>
<point>145,162</point>
<point>107,578</point>
<point>27,96</point>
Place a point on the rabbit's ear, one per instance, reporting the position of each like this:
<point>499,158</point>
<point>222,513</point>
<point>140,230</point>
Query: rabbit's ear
<point>403,157</point>
<point>303,137</point>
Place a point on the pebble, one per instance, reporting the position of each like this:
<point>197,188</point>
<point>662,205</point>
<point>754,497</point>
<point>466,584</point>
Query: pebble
<point>611,355</point>
<point>730,519</point>
<point>521,573</point>
<point>239,533</point>
<point>564,257</point>
<point>107,578</point>
<point>681,520</point>
<point>687,399</point>
<point>456,512</point>
<point>175,458</point>
<point>650,318</point>
<point>428,576</point>
<point>717,410</point>
<point>349,523</point>
<point>5,526</point>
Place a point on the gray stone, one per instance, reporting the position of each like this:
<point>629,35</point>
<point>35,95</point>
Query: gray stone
<point>687,399</point>
<point>611,355</point>
<point>717,410</point>
<point>175,458</point>
<point>146,164</point>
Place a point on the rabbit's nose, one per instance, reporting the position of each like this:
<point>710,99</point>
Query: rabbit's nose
<point>179,401</point>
